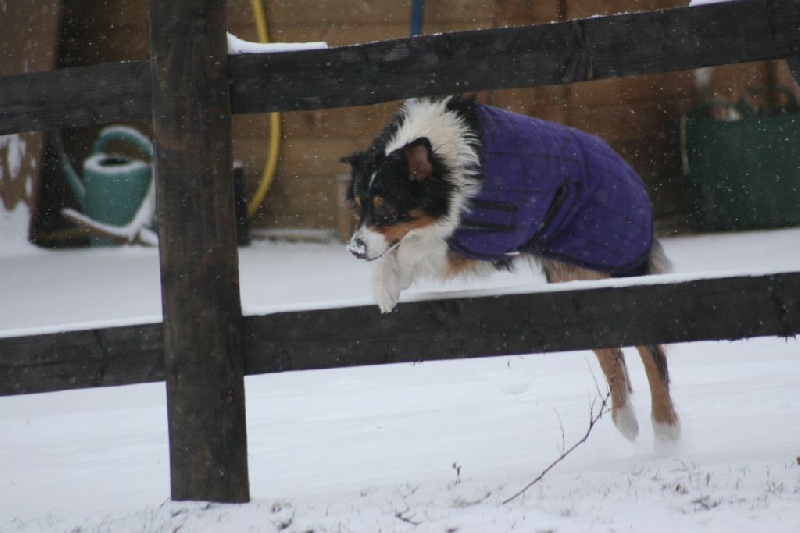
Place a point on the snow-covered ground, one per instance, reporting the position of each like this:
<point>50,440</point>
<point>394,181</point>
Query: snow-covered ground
<point>432,447</point>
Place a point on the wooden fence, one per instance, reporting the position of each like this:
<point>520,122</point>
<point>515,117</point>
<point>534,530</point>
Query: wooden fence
<point>190,87</point>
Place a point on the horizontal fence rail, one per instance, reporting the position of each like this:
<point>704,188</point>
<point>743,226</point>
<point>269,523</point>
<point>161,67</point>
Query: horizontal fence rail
<point>707,309</point>
<point>547,54</point>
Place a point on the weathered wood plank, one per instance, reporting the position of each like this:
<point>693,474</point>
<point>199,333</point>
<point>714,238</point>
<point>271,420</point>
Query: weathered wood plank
<point>548,54</point>
<point>711,309</point>
<point>203,360</point>
<point>723,308</point>
<point>80,359</point>
<point>596,48</point>
<point>78,96</point>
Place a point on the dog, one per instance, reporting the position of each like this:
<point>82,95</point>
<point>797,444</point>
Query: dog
<point>453,187</point>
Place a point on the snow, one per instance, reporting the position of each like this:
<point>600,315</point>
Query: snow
<point>429,447</point>
<point>240,46</point>
<point>98,163</point>
<point>694,3</point>
<point>15,147</point>
<point>14,231</point>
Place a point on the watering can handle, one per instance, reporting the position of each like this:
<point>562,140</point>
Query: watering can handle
<point>124,134</point>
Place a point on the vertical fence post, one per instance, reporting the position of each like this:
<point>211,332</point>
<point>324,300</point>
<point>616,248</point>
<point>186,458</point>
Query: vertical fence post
<point>199,259</point>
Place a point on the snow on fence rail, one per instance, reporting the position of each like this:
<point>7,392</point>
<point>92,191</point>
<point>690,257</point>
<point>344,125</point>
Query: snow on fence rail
<point>190,87</point>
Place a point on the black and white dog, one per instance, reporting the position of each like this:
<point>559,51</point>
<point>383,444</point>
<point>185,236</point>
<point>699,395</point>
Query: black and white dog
<point>454,187</point>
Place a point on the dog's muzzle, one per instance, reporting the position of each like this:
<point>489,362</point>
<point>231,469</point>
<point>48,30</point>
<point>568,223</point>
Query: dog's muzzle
<point>357,247</point>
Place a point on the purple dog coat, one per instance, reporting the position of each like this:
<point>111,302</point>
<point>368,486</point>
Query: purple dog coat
<point>557,192</point>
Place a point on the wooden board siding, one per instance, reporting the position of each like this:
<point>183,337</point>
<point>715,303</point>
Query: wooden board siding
<point>304,193</point>
<point>28,44</point>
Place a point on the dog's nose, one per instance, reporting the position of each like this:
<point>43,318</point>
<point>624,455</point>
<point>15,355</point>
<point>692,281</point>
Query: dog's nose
<point>357,247</point>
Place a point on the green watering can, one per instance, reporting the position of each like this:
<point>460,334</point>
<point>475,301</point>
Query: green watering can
<point>113,186</point>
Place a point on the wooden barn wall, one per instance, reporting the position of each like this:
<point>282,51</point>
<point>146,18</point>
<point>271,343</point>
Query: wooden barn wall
<point>636,115</point>
<point>27,44</point>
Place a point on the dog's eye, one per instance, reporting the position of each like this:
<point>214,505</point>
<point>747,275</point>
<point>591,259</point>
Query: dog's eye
<point>384,211</point>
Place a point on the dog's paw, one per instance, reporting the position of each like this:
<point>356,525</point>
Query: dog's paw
<point>387,291</point>
<point>667,432</point>
<point>386,283</point>
<point>625,419</point>
<point>387,299</point>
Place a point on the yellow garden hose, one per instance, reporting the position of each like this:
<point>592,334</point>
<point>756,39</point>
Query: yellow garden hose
<point>274,125</point>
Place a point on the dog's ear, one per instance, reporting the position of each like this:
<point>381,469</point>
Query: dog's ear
<point>355,160</point>
<point>420,159</point>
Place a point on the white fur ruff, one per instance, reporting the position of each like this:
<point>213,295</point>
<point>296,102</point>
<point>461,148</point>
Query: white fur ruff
<point>450,138</point>
<point>422,253</point>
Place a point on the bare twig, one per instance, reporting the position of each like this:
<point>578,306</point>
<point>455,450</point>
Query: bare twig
<point>563,444</point>
<point>594,417</point>
<point>403,517</point>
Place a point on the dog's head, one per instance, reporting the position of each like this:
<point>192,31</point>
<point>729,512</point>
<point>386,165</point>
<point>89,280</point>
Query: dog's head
<point>394,195</point>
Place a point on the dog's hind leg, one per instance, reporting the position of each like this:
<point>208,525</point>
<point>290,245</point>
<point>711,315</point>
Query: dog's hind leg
<point>612,360</point>
<point>666,425</point>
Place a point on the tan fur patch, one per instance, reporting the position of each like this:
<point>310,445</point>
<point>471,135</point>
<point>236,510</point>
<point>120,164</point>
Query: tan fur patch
<point>458,265</point>
<point>558,272</point>
<point>396,232</point>
<point>663,411</point>
<point>612,363</point>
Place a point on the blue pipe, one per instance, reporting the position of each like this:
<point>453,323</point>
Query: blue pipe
<point>417,10</point>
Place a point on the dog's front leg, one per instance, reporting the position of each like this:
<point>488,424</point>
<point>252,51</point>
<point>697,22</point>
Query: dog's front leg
<point>390,280</point>
<point>395,273</point>
<point>386,282</point>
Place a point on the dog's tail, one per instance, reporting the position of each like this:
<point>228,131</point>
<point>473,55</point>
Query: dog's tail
<point>658,262</point>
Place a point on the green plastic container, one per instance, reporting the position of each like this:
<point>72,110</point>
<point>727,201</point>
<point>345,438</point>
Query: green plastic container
<point>744,172</point>
<point>113,186</point>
